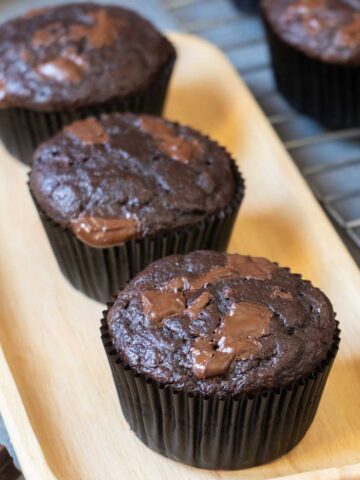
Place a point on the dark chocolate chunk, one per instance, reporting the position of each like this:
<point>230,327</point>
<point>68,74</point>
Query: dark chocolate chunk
<point>159,305</point>
<point>245,319</point>
<point>98,232</point>
<point>234,338</point>
<point>251,267</point>
<point>88,132</point>
<point>198,305</point>
<point>177,147</point>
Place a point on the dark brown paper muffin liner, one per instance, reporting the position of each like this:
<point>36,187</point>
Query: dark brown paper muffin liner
<point>23,130</point>
<point>327,92</point>
<point>251,6</point>
<point>214,433</point>
<point>100,272</point>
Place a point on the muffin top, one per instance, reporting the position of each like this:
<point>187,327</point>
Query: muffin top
<point>77,55</point>
<point>325,29</point>
<point>124,176</point>
<point>221,324</point>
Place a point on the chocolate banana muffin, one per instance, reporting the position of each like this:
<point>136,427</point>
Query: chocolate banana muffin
<point>227,327</point>
<point>62,63</point>
<point>315,47</point>
<point>125,178</point>
<point>221,324</point>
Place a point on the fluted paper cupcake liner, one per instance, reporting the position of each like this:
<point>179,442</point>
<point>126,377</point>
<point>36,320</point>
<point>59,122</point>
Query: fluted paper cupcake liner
<point>248,5</point>
<point>23,130</point>
<point>215,433</point>
<point>327,92</point>
<point>101,272</point>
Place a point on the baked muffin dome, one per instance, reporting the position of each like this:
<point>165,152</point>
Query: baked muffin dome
<point>221,325</point>
<point>328,30</point>
<point>125,176</point>
<point>78,55</point>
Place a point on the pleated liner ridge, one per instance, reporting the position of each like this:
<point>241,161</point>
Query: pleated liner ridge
<point>23,130</point>
<point>215,433</point>
<point>327,92</point>
<point>101,272</point>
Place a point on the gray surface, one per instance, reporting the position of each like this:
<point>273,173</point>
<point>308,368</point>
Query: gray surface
<point>329,161</point>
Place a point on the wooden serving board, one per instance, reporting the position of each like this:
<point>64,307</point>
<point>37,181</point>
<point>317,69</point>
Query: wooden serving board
<point>56,390</point>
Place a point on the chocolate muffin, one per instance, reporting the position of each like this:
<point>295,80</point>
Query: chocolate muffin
<point>233,351</point>
<point>116,193</point>
<point>315,48</point>
<point>67,62</point>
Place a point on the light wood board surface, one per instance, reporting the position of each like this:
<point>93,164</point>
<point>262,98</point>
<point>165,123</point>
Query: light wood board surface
<point>56,391</point>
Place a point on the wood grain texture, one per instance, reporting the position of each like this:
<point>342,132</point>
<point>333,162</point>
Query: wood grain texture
<point>56,391</point>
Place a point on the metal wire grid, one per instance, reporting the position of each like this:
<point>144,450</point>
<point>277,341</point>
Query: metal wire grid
<point>329,160</point>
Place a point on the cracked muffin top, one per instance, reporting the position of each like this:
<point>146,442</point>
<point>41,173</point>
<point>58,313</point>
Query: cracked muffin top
<point>77,55</point>
<point>221,324</point>
<point>125,176</point>
<point>325,29</point>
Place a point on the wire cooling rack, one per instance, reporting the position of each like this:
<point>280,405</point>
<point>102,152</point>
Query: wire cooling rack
<point>329,160</point>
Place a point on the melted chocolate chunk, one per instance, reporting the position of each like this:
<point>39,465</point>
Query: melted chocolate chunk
<point>176,284</point>
<point>102,33</point>
<point>210,362</point>
<point>256,268</point>
<point>159,305</point>
<point>213,276</point>
<point>175,146</point>
<point>349,35</point>
<point>237,336</point>
<point>207,362</point>
<point>61,70</point>
<point>44,37</point>
<point>88,131</point>
<point>246,319</point>
<point>104,232</point>
<point>198,305</point>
